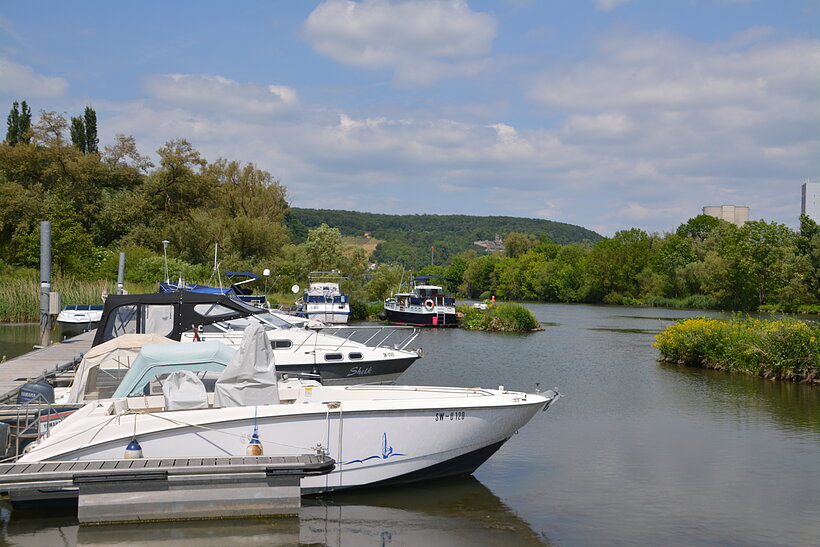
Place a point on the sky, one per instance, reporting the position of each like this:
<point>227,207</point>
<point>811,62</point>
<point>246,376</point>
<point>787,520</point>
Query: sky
<point>607,114</point>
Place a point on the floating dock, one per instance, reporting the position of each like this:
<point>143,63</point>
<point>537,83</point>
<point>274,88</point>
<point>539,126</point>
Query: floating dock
<point>141,490</point>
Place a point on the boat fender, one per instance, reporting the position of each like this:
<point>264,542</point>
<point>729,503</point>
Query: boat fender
<point>254,447</point>
<point>133,451</point>
<point>429,304</point>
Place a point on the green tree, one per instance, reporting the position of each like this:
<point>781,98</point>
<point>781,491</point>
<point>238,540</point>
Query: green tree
<point>18,124</point>
<point>77,132</point>
<point>323,249</point>
<point>756,253</point>
<point>674,254</point>
<point>515,244</point>
<point>614,264</point>
<point>91,140</point>
<point>698,227</point>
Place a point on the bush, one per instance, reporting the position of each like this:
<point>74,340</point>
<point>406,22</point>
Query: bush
<point>786,349</point>
<point>499,318</point>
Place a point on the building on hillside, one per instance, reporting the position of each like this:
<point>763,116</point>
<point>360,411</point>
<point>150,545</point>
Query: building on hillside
<point>810,200</point>
<point>491,245</point>
<point>736,214</point>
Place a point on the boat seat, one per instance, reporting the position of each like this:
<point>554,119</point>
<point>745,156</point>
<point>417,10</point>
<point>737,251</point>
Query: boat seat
<point>183,390</point>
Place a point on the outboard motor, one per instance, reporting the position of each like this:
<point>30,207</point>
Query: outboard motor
<point>37,392</point>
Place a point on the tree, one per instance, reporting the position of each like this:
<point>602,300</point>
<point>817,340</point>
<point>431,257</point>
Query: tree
<point>91,140</point>
<point>515,244</point>
<point>756,253</point>
<point>84,132</point>
<point>698,227</point>
<point>18,124</point>
<point>77,132</point>
<point>323,248</point>
<point>673,255</point>
<point>614,264</point>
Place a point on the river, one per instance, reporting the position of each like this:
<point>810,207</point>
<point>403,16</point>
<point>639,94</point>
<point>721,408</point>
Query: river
<point>636,452</point>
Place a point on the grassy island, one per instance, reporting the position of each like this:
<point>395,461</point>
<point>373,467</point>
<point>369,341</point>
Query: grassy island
<point>786,349</point>
<point>499,318</point>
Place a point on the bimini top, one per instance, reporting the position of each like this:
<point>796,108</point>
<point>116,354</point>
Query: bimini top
<point>428,277</point>
<point>158,359</point>
<point>167,314</point>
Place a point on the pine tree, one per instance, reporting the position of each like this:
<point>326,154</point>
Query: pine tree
<point>13,123</point>
<point>78,134</point>
<point>91,140</point>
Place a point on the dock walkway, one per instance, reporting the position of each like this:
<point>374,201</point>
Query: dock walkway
<point>131,490</point>
<point>17,371</point>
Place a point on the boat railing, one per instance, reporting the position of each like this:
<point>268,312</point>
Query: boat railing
<point>30,421</point>
<point>411,333</point>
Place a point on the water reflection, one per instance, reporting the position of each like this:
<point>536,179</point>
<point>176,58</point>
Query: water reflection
<point>452,512</point>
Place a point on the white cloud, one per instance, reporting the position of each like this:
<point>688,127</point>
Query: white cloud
<point>218,94</point>
<point>421,41</point>
<point>22,80</point>
<point>609,5</point>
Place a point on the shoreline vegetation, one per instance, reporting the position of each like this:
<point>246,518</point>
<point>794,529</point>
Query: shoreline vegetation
<point>785,349</point>
<point>499,318</point>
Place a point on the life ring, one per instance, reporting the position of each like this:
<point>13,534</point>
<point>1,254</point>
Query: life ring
<point>429,304</point>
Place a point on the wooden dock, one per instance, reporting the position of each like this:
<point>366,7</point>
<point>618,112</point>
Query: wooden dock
<point>61,355</point>
<point>165,489</point>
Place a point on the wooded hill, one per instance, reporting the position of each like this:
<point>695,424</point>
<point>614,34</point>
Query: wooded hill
<point>407,239</point>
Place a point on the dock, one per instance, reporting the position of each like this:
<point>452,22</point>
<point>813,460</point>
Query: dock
<point>41,363</point>
<point>141,490</point>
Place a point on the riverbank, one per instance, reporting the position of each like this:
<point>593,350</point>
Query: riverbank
<point>785,349</point>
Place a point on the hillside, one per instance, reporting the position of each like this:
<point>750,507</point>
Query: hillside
<point>408,239</point>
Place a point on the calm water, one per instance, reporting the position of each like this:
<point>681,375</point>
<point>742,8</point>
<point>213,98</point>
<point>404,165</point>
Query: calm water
<point>636,453</point>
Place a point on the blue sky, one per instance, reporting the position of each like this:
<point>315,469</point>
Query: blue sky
<point>609,114</point>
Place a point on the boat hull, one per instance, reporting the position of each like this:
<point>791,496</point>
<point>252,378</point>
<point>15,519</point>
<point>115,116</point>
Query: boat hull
<point>374,443</point>
<point>421,318</point>
<point>353,372</point>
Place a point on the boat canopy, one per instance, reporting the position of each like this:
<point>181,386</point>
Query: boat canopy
<point>167,314</point>
<point>193,287</point>
<point>428,277</point>
<point>104,366</point>
<point>242,274</point>
<point>158,360</point>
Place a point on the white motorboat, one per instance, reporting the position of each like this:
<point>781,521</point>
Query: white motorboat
<point>194,317</point>
<point>323,299</point>
<point>76,318</point>
<point>378,435</point>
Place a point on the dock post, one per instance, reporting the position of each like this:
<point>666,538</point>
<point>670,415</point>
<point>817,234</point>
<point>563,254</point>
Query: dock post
<point>46,320</point>
<point>121,275</point>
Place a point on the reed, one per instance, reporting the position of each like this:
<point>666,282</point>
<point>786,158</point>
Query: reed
<point>786,349</point>
<point>20,297</point>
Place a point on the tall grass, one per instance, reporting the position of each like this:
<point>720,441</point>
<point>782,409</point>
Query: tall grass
<point>785,349</point>
<point>20,297</point>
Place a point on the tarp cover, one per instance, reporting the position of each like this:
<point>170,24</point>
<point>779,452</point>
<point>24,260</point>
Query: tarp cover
<point>183,390</point>
<point>155,360</point>
<point>250,378</point>
<point>116,354</point>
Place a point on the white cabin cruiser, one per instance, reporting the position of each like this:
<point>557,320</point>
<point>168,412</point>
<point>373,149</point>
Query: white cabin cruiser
<point>76,318</point>
<point>378,435</point>
<point>323,299</point>
<point>194,317</point>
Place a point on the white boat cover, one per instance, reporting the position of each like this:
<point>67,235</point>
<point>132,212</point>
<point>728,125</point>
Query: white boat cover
<point>114,355</point>
<point>250,377</point>
<point>183,390</point>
